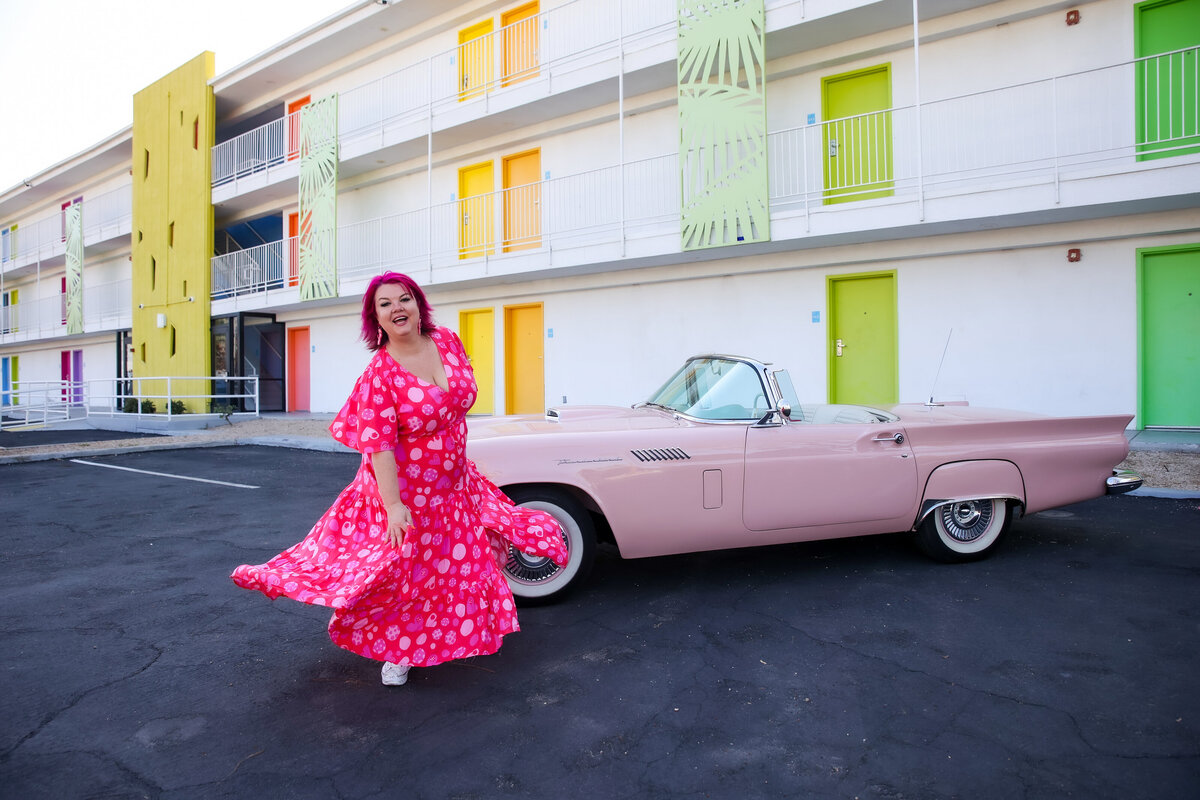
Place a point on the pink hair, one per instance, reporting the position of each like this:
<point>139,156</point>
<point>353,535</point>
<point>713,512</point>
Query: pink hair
<point>371,332</point>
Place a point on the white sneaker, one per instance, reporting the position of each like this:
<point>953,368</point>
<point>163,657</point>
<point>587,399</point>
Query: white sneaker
<point>394,674</point>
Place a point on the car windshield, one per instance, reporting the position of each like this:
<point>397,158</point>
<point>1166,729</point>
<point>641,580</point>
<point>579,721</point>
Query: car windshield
<point>714,388</point>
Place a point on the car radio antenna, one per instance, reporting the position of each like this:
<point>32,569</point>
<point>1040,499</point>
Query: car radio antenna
<point>930,403</point>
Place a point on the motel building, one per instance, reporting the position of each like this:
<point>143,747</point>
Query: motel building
<point>990,201</point>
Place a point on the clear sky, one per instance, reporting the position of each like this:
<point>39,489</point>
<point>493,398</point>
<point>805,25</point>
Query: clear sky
<point>70,68</point>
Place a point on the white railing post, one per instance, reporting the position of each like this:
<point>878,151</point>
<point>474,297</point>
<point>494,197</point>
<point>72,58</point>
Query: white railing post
<point>621,113</point>
<point>917,106</point>
<point>1054,135</point>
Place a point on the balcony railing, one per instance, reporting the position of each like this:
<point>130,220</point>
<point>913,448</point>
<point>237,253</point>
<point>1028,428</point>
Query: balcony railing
<point>259,150</point>
<point>140,401</point>
<point>1101,121</point>
<point>256,269</point>
<point>1038,134</point>
<point>104,217</point>
<point>558,39</point>
<point>106,307</point>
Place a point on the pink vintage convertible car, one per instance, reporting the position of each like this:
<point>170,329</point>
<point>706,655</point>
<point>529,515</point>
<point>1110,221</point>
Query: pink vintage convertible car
<point>723,455</point>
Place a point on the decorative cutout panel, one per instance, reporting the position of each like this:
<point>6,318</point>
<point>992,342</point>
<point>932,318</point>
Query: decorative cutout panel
<point>318,199</point>
<point>74,258</point>
<point>722,123</point>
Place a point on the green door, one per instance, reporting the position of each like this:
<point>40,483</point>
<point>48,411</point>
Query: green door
<point>1167,42</point>
<point>857,139</point>
<point>1169,289</point>
<point>862,346</point>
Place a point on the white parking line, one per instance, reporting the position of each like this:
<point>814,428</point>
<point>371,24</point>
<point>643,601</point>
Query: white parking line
<point>163,474</point>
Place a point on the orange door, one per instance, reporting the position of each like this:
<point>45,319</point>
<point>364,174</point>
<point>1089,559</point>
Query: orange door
<point>293,249</point>
<point>298,375</point>
<point>520,36</point>
<point>522,201</point>
<point>524,373</point>
<point>293,126</point>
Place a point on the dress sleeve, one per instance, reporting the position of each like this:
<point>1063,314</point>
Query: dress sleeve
<point>367,422</point>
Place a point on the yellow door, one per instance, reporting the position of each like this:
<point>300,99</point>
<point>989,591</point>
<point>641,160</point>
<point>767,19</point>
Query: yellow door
<point>524,379</point>
<point>475,190</point>
<point>478,337</point>
<point>474,60</point>
<point>522,201</point>
<point>520,34</point>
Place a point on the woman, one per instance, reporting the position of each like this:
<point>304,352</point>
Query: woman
<point>408,555</point>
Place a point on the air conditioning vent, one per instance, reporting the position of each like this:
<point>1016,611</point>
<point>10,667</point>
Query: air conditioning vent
<point>669,454</point>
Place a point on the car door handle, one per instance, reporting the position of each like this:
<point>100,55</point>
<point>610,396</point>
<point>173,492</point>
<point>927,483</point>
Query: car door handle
<point>898,438</point>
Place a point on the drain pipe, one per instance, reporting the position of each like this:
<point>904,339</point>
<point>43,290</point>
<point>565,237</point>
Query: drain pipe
<point>917,106</point>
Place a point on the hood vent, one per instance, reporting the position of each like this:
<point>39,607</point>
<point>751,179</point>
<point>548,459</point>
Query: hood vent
<point>670,454</point>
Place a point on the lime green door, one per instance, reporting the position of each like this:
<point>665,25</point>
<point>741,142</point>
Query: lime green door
<point>1167,42</point>
<point>478,326</point>
<point>857,139</point>
<point>862,345</point>
<point>1169,313</point>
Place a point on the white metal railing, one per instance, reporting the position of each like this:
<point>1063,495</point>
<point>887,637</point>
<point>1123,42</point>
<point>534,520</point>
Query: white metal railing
<point>1040,132</point>
<point>572,211</point>
<point>1176,123</point>
<point>106,307</point>
<point>261,149</point>
<point>255,269</point>
<point>34,403</point>
<point>104,216</point>
<point>563,37</point>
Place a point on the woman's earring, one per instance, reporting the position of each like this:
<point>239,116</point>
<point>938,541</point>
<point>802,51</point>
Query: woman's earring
<point>379,337</point>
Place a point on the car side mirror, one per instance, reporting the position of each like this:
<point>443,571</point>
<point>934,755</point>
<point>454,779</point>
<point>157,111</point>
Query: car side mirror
<point>786,410</point>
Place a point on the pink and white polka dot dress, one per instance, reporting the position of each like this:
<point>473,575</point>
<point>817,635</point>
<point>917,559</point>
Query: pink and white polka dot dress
<point>442,595</point>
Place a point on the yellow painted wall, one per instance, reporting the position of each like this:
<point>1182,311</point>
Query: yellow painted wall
<point>173,228</point>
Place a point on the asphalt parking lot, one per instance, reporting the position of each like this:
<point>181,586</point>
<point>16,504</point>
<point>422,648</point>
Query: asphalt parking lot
<point>1064,666</point>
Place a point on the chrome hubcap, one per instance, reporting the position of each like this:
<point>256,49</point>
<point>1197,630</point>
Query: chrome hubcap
<point>529,569</point>
<point>966,521</point>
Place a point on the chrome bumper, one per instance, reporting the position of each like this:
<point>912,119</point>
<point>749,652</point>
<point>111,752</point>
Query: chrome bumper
<point>1123,481</point>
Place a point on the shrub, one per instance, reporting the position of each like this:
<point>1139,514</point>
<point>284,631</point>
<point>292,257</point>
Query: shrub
<point>148,407</point>
<point>130,406</point>
<point>177,407</point>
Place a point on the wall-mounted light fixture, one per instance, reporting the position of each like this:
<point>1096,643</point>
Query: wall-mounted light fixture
<point>1073,16</point>
<point>161,320</point>
<point>1074,254</point>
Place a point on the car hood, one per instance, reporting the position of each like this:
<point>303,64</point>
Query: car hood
<point>572,419</point>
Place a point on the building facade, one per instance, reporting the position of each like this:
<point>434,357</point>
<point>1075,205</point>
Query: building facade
<point>996,201</point>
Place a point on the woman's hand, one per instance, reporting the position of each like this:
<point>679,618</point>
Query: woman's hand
<point>399,520</point>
